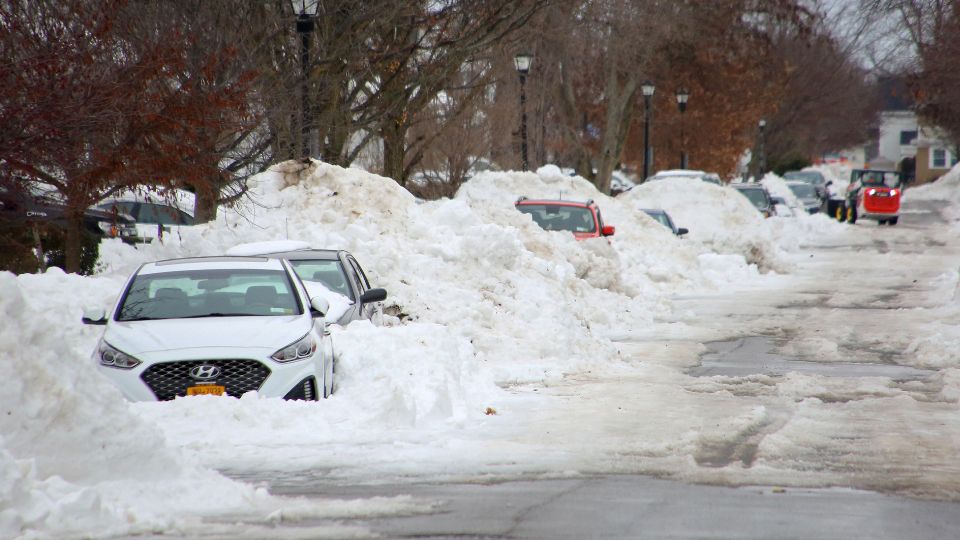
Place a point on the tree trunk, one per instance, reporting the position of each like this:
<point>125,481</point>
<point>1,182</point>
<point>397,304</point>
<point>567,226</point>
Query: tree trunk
<point>71,247</point>
<point>394,134</point>
<point>620,101</point>
<point>204,208</point>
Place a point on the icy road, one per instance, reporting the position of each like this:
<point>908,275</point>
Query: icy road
<point>817,409</point>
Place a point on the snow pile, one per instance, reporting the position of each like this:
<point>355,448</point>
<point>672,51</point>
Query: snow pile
<point>72,456</point>
<point>720,219</point>
<point>946,188</point>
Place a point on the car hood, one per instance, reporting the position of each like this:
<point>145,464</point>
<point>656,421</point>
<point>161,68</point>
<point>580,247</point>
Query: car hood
<point>139,337</point>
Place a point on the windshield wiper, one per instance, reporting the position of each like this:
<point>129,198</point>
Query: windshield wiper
<point>217,314</point>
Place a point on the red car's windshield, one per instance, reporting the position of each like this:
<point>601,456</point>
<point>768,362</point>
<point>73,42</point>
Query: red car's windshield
<point>556,217</point>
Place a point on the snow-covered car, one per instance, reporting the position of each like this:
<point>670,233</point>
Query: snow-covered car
<point>335,269</point>
<point>664,219</point>
<point>806,194</point>
<point>811,177</point>
<point>712,178</point>
<point>872,194</point>
<point>582,218</point>
<point>155,219</point>
<point>215,326</point>
<point>758,196</point>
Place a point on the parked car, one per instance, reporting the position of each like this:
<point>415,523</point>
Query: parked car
<point>872,194</point>
<point>583,219</point>
<point>814,178</point>
<point>806,194</point>
<point>23,209</point>
<point>215,326</point>
<point>712,178</point>
<point>664,218</point>
<point>758,196</point>
<point>335,269</point>
<point>155,219</point>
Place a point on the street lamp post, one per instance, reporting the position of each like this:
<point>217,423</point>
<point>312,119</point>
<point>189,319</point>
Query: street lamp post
<point>522,62</point>
<point>648,89</point>
<point>682,96</point>
<point>306,11</point>
<point>762,162</point>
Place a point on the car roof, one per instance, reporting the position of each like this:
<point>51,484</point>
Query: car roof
<point>678,172</point>
<point>558,202</point>
<point>654,210</point>
<point>306,254</point>
<point>745,185</point>
<point>208,263</point>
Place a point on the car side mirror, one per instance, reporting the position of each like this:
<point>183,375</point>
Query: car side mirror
<point>608,230</point>
<point>373,295</point>
<point>96,315</point>
<point>682,231</point>
<point>319,306</point>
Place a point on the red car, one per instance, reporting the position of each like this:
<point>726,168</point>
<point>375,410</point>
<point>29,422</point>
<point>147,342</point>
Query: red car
<point>581,218</point>
<point>872,194</point>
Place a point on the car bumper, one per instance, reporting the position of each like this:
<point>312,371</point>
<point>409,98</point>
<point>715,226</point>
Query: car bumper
<point>163,376</point>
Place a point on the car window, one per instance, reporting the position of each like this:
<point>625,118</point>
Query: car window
<point>207,293</point>
<point>161,213</point>
<point>363,277</point>
<point>803,190</point>
<point>756,196</point>
<point>329,273</point>
<point>556,217</point>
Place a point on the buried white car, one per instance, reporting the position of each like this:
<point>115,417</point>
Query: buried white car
<point>215,326</point>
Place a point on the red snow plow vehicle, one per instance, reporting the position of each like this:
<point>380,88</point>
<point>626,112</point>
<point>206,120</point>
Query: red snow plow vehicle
<point>872,194</point>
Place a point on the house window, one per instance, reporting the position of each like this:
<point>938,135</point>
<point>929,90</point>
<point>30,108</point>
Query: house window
<point>907,137</point>
<point>938,158</point>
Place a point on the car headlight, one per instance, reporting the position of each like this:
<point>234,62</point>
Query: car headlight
<point>872,192</point>
<point>113,357</point>
<point>298,350</point>
<point>893,193</point>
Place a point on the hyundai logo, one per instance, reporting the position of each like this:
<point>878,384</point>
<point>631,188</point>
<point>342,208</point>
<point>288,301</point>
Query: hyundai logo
<point>205,372</point>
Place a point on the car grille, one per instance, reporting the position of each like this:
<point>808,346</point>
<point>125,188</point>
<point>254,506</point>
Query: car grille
<point>171,379</point>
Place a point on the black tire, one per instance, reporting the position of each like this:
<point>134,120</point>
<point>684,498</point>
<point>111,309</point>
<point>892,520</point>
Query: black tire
<point>852,215</point>
<point>893,221</point>
<point>881,222</point>
<point>841,212</point>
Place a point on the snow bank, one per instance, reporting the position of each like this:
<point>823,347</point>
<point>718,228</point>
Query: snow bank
<point>720,219</point>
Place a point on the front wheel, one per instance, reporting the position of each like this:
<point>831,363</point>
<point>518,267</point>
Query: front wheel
<point>841,212</point>
<point>893,221</point>
<point>851,215</point>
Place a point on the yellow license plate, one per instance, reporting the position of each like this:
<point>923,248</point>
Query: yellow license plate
<point>205,390</point>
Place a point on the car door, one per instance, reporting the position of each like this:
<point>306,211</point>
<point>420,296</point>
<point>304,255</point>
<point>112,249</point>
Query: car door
<point>367,311</point>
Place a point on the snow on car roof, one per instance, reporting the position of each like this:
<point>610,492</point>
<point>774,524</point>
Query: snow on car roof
<point>206,263</point>
<point>264,248</point>
<point>679,172</point>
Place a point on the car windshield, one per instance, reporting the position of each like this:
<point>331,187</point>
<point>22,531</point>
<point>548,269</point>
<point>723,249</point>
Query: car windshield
<point>880,178</point>
<point>558,217</point>
<point>209,293</point>
<point>757,197</point>
<point>804,191</point>
<point>329,273</point>
<point>810,177</point>
<point>662,218</point>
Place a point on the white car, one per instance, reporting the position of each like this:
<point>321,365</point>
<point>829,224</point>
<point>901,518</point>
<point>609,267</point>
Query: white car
<point>215,326</point>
